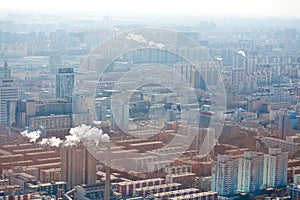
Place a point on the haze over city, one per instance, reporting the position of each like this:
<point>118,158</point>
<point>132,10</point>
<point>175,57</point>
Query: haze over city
<point>254,8</point>
<point>155,100</point>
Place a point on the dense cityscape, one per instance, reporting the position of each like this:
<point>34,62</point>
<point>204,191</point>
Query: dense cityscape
<point>108,107</point>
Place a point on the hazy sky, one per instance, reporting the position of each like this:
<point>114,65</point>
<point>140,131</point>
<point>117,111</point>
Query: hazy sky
<point>285,8</point>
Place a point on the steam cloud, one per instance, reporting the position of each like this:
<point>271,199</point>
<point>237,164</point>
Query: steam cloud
<point>136,37</point>
<point>53,141</point>
<point>77,134</point>
<point>218,58</point>
<point>32,136</point>
<point>242,53</point>
<point>140,39</point>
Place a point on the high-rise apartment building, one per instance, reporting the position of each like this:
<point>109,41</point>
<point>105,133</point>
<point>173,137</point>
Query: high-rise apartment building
<point>53,117</point>
<point>240,60</point>
<point>281,93</point>
<point>238,80</point>
<point>275,168</point>
<point>65,83</point>
<point>8,92</point>
<point>250,172</point>
<point>225,175</point>
<point>78,166</point>
<point>286,124</point>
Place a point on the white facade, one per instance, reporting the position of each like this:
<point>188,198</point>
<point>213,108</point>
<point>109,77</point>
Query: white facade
<point>224,175</point>
<point>250,172</point>
<point>275,168</point>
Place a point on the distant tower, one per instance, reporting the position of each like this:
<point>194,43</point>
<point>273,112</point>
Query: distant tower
<point>120,117</point>
<point>8,92</point>
<point>64,83</point>
<point>286,123</point>
<point>6,71</point>
<point>54,63</point>
<point>238,77</point>
<point>78,166</point>
<point>240,60</point>
<point>210,142</point>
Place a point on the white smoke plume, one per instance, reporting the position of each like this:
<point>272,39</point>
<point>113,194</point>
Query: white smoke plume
<point>77,134</point>
<point>242,53</point>
<point>140,39</point>
<point>32,136</point>
<point>105,138</point>
<point>71,140</point>
<point>157,45</point>
<point>136,37</point>
<point>53,141</point>
<point>87,133</point>
<point>218,58</point>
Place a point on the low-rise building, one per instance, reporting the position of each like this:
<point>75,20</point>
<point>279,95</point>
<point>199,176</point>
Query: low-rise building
<point>51,188</point>
<point>293,190</point>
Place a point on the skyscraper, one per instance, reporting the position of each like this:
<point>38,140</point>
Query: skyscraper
<point>8,92</point>
<point>275,168</point>
<point>78,166</point>
<point>65,83</point>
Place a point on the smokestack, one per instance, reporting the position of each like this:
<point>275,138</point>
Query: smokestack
<point>107,176</point>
